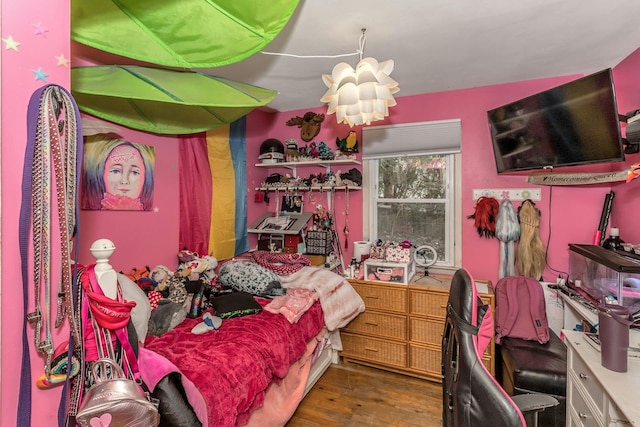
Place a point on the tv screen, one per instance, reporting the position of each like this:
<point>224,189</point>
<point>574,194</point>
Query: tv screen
<point>573,124</point>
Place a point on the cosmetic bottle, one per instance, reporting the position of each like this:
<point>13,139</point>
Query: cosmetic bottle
<point>613,241</point>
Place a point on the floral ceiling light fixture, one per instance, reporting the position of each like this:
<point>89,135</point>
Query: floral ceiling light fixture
<point>362,95</point>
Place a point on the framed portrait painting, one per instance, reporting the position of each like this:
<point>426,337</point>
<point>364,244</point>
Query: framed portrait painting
<point>117,175</point>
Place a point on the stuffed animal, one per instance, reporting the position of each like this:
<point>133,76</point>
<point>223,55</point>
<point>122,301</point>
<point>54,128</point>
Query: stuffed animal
<point>196,268</point>
<point>165,317</point>
<point>161,275</point>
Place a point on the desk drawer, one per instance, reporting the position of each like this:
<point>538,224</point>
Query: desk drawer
<point>379,324</point>
<point>383,297</point>
<point>583,376</point>
<point>581,411</point>
<point>427,303</point>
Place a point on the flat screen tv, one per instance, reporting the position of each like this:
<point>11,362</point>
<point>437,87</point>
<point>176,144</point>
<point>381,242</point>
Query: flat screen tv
<point>573,124</point>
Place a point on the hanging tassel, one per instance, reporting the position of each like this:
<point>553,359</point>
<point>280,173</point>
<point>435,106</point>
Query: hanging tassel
<point>507,231</point>
<point>485,216</point>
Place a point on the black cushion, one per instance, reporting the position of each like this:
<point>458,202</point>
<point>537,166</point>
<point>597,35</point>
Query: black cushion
<point>235,304</point>
<point>531,367</point>
<point>536,367</point>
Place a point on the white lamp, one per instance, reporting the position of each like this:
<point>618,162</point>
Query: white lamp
<point>361,95</point>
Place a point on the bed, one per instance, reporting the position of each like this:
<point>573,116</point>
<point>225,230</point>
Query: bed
<point>255,369</point>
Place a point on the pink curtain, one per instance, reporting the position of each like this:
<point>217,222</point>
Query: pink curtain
<point>195,181</point>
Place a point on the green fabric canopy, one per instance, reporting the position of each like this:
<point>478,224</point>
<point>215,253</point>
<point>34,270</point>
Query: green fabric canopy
<point>180,33</point>
<point>163,101</point>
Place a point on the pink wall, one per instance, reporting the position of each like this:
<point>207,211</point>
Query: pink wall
<point>627,200</point>
<point>558,228</point>
<point>569,214</point>
<point>141,238</point>
<point>42,29</point>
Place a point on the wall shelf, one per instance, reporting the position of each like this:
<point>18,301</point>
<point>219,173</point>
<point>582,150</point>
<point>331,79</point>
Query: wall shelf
<point>314,188</point>
<point>306,163</point>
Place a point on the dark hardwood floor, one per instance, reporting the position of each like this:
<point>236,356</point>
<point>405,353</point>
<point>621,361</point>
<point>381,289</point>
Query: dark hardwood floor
<point>351,395</point>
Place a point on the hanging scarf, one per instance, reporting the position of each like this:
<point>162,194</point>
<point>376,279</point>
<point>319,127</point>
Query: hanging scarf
<point>507,232</point>
<point>485,216</point>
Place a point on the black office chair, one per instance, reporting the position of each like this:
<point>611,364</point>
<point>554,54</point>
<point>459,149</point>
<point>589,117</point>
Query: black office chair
<point>471,397</point>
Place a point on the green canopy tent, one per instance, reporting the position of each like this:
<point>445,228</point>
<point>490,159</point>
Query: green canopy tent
<point>180,33</point>
<point>163,101</point>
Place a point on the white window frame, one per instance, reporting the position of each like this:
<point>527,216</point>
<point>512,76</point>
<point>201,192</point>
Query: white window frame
<point>453,202</point>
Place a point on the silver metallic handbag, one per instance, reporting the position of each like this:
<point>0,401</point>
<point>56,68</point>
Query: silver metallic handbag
<point>116,402</point>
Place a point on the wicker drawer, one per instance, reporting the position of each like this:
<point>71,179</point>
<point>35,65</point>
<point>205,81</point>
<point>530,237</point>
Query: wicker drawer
<point>374,350</point>
<point>427,303</point>
<point>428,360</point>
<point>425,360</point>
<point>383,297</point>
<point>379,324</point>
<point>426,331</point>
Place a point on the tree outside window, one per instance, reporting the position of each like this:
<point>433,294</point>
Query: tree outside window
<point>413,201</point>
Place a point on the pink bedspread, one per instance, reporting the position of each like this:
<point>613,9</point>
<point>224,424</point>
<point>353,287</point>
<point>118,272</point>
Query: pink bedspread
<point>232,367</point>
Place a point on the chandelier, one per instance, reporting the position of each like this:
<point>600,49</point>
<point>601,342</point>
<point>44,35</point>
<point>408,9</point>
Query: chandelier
<point>362,95</point>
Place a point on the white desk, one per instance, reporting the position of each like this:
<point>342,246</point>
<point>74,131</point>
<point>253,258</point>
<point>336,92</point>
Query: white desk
<point>575,312</point>
<point>597,396</point>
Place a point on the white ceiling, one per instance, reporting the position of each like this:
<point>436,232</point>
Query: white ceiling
<point>441,45</point>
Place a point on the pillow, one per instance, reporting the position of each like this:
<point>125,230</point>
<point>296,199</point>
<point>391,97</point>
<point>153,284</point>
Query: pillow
<point>141,313</point>
<point>246,276</point>
<point>235,304</point>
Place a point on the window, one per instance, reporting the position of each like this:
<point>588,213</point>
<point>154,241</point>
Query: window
<point>412,185</point>
<point>411,197</point>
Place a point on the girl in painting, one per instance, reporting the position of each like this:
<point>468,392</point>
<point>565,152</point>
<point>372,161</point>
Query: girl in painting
<point>117,174</point>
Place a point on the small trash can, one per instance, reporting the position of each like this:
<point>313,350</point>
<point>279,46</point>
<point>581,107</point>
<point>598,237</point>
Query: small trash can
<point>614,336</point>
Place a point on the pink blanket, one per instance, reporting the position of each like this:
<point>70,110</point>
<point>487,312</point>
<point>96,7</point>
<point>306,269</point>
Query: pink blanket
<point>233,367</point>
<point>340,302</point>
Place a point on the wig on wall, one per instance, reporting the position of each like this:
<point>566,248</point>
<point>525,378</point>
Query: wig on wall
<point>530,258</point>
<point>485,216</point>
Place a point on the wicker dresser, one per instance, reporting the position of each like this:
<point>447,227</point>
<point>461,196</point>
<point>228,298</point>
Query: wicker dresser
<point>401,328</point>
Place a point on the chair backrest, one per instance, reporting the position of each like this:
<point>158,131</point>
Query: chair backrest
<point>471,395</point>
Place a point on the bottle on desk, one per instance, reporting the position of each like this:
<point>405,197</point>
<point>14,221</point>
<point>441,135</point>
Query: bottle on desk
<point>613,241</point>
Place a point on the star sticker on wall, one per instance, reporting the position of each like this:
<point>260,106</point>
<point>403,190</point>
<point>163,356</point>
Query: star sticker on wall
<point>40,30</point>
<point>40,75</point>
<point>10,43</point>
<point>156,209</point>
<point>62,61</point>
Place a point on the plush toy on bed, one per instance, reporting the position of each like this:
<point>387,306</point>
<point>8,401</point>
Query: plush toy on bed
<point>196,268</point>
<point>165,317</point>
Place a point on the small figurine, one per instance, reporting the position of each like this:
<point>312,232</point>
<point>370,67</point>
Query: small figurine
<point>348,144</point>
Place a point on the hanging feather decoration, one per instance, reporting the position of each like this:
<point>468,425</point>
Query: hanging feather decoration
<point>485,216</point>
<point>507,232</point>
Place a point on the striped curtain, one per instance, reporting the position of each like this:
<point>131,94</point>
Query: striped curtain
<point>213,202</point>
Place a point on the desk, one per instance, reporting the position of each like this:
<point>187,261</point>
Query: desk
<point>597,396</point>
<point>575,313</point>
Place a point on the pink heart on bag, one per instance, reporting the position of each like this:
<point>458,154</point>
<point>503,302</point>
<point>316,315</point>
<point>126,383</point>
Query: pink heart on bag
<point>103,421</point>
